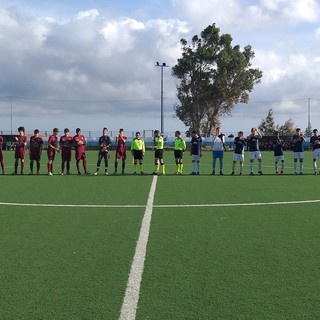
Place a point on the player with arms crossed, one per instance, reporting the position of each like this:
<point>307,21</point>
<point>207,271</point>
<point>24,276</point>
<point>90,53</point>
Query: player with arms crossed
<point>253,144</point>
<point>298,150</point>
<point>20,142</point>
<point>3,167</point>
<point>315,142</point>
<point>158,154</point>
<point>104,145</point>
<point>121,152</point>
<point>278,152</point>
<point>217,152</point>
<point>79,142</point>
<point>35,151</point>
<point>179,149</point>
<point>65,143</point>
<point>138,150</point>
<point>238,155</point>
<point>53,147</point>
<point>195,152</point>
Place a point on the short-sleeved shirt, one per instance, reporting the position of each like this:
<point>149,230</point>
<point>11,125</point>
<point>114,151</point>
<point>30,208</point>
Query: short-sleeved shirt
<point>159,143</point>
<point>66,143</point>
<point>104,143</point>
<point>239,145</point>
<point>20,146</point>
<point>35,147</point>
<point>179,144</point>
<point>253,143</point>
<point>218,142</point>
<point>79,143</point>
<point>138,144</point>
<point>313,140</point>
<point>278,147</point>
<point>53,142</point>
<point>297,143</point>
<point>196,145</point>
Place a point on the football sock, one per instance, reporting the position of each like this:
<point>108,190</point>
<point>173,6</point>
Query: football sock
<point>282,165</point>
<point>314,165</point>
<point>295,167</point>
<point>3,167</point>
<point>276,166</point>
<point>156,168</point>
<point>135,167</point>
<point>198,166</point>
<point>181,167</point>
<point>301,166</point>
<point>141,167</point>
<point>251,166</point>
<point>194,167</point>
<point>214,163</point>
<point>259,166</point>
<point>234,165</point>
<point>221,164</point>
<point>241,167</point>
<point>163,168</point>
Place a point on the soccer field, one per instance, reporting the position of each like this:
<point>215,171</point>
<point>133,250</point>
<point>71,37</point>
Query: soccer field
<point>205,247</point>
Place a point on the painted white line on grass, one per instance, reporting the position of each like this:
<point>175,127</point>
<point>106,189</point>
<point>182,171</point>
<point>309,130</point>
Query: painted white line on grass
<point>131,298</point>
<point>235,204</point>
<point>128,206</point>
<point>70,205</point>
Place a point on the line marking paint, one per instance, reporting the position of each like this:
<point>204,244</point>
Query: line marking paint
<point>131,298</point>
<point>248,204</point>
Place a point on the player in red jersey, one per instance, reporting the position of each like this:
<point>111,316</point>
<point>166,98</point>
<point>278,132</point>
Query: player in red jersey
<point>121,140</point>
<point>20,143</point>
<point>35,150</point>
<point>53,147</point>
<point>3,167</point>
<point>66,142</point>
<point>79,142</point>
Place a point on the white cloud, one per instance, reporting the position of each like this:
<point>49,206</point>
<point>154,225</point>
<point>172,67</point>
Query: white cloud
<point>91,14</point>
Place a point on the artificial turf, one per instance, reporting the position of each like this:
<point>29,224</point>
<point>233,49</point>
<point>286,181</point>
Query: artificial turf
<point>203,262</point>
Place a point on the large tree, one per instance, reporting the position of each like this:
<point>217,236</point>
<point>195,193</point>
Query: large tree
<point>267,125</point>
<point>214,76</point>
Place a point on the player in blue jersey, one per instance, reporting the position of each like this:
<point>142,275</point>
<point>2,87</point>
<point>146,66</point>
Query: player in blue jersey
<point>315,143</point>
<point>218,148</point>
<point>253,144</point>
<point>240,142</point>
<point>278,152</point>
<point>196,152</point>
<point>298,150</point>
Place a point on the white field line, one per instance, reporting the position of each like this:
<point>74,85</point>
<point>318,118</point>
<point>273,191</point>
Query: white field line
<point>159,205</point>
<point>131,298</point>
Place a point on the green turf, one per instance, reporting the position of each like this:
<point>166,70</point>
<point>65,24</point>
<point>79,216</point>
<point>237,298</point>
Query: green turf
<point>203,262</point>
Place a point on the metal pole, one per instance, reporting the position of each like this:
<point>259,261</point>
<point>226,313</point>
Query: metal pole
<point>11,116</point>
<point>309,123</point>
<point>161,107</point>
<point>162,65</point>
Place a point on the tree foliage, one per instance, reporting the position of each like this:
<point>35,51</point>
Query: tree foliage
<point>214,76</point>
<point>267,125</point>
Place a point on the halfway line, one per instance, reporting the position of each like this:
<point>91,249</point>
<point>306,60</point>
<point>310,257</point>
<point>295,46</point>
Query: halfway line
<point>131,298</point>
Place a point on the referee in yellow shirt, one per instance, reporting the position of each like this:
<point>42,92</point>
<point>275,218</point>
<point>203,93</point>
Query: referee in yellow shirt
<point>138,150</point>
<point>179,149</point>
<point>158,154</point>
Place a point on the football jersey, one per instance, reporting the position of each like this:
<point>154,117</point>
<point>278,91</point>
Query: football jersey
<point>179,144</point>
<point>53,141</point>
<point>159,143</point>
<point>218,142</point>
<point>196,145</point>
<point>313,140</point>
<point>253,143</point>
<point>36,142</point>
<point>66,142</point>
<point>121,142</point>
<point>79,142</point>
<point>104,143</point>
<point>239,145</point>
<point>138,144</point>
<point>297,143</point>
<point>278,147</point>
<point>21,142</point>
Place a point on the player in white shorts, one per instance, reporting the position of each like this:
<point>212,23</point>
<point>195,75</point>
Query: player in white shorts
<point>315,143</point>
<point>298,150</point>
<point>238,155</point>
<point>254,152</point>
<point>278,153</point>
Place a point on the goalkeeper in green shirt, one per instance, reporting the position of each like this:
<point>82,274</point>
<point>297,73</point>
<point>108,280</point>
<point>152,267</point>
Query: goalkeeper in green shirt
<point>138,150</point>
<point>158,154</point>
<point>179,149</point>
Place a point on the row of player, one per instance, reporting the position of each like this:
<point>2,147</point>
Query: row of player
<point>66,143</point>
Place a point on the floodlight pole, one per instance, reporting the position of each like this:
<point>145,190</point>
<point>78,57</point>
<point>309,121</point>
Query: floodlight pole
<point>161,65</point>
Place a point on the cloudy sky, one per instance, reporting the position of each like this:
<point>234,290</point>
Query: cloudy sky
<point>92,63</point>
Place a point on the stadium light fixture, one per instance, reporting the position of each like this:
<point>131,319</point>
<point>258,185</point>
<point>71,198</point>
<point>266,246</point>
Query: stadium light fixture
<point>161,65</point>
